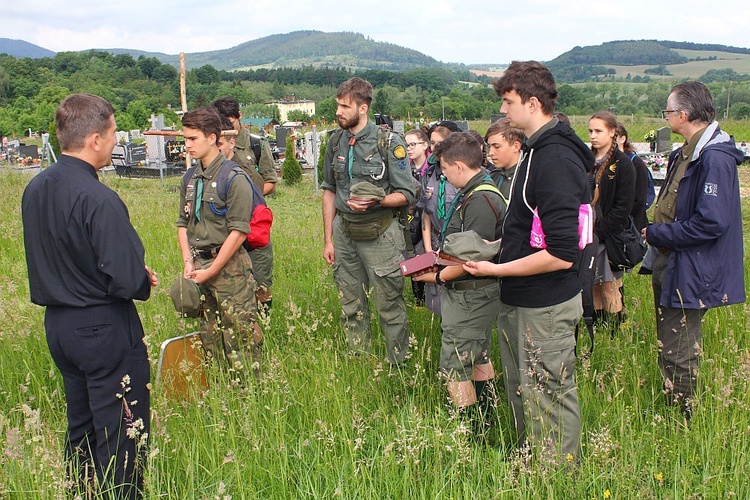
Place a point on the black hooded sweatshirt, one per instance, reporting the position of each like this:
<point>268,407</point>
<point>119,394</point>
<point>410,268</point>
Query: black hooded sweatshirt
<point>554,177</point>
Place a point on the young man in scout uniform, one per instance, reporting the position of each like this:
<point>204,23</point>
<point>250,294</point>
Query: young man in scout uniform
<point>469,304</point>
<point>363,238</point>
<point>211,231</point>
<point>226,147</point>
<point>262,172</point>
<point>505,152</point>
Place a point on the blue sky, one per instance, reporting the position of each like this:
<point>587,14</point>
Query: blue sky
<point>467,32</point>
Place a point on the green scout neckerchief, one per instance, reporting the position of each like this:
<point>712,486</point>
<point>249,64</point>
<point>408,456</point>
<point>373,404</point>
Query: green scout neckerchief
<point>198,198</point>
<point>441,197</point>
<point>352,142</point>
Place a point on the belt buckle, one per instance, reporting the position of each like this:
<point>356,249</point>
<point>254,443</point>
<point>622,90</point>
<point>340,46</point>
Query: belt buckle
<point>205,254</point>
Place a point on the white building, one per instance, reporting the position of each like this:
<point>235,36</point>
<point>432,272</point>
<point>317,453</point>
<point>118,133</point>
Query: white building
<point>291,104</point>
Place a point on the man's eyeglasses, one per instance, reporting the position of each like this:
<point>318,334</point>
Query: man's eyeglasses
<point>412,145</point>
<point>665,112</point>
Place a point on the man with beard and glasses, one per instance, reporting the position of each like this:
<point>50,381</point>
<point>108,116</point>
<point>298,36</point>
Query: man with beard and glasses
<point>367,178</point>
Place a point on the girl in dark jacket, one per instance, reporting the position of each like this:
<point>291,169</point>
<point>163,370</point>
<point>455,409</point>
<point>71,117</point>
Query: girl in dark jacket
<point>613,201</point>
<point>642,184</point>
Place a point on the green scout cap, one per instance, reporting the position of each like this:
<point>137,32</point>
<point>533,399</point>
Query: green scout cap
<point>366,190</point>
<point>186,297</point>
<point>468,245</point>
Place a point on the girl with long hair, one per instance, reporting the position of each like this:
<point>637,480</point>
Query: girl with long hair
<point>614,196</point>
<point>642,195</point>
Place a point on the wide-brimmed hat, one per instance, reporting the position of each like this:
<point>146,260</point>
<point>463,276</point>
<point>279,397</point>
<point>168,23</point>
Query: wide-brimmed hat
<point>186,297</point>
<point>468,245</point>
<point>366,190</point>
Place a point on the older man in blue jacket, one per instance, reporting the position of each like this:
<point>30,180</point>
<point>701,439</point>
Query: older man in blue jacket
<point>698,233</point>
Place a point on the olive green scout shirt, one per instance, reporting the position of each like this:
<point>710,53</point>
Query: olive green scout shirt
<point>263,173</point>
<point>217,218</point>
<point>368,167</point>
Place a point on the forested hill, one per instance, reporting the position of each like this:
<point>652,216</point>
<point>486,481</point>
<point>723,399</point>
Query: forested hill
<point>583,63</point>
<point>621,53</point>
<point>21,48</point>
<point>303,48</point>
<point>705,46</point>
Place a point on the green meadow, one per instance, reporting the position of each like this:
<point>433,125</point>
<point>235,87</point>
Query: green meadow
<point>321,424</point>
<point>693,68</point>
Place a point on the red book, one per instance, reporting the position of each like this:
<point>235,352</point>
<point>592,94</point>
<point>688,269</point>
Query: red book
<point>426,261</point>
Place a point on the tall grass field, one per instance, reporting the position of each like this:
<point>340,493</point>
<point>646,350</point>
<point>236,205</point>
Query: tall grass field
<point>321,424</point>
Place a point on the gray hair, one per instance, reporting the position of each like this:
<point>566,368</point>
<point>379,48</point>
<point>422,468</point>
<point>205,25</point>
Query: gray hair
<point>695,100</point>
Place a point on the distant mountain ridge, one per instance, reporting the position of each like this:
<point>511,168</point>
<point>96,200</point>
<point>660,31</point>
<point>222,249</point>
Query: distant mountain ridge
<point>22,48</point>
<point>582,64</point>
<point>317,48</point>
<point>295,49</point>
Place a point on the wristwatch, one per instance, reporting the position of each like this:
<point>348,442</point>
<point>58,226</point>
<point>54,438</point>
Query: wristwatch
<point>438,279</point>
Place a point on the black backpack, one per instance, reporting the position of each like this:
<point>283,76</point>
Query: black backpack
<point>257,146</point>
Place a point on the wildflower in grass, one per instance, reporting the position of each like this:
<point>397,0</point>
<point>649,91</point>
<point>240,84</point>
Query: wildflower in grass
<point>31,419</point>
<point>325,435</point>
<point>607,494</point>
<point>134,429</point>
<point>601,445</point>
<point>13,443</point>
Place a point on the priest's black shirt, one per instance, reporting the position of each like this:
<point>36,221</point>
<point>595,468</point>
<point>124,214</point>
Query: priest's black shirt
<point>81,249</point>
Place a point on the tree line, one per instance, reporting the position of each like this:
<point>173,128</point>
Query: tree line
<point>31,89</point>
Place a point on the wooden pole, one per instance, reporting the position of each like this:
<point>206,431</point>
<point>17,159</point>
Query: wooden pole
<point>183,101</point>
<point>183,98</point>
